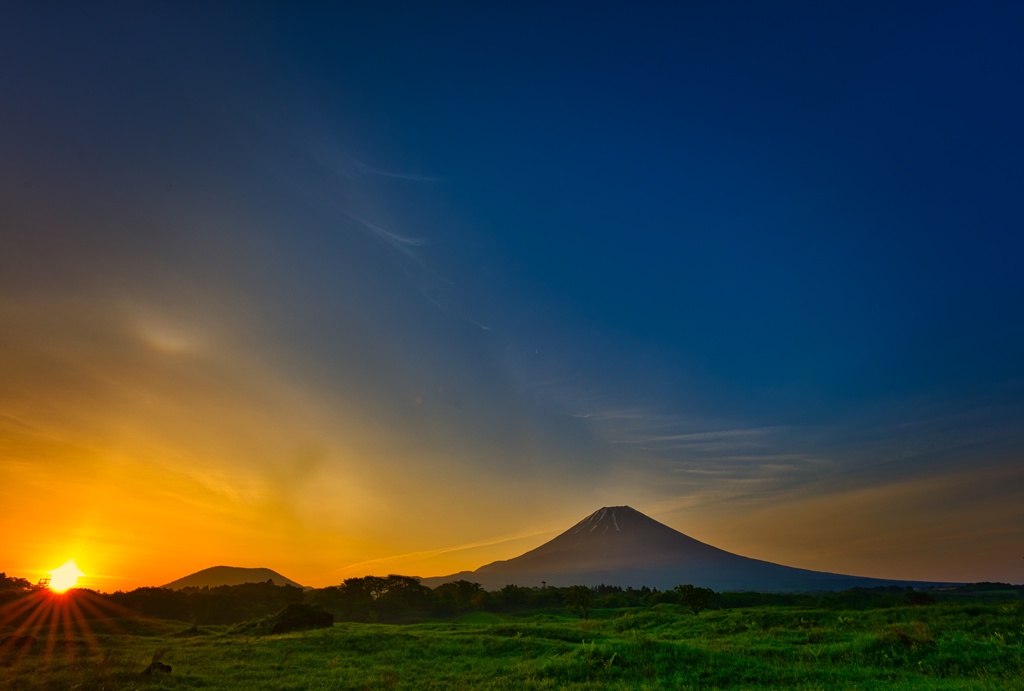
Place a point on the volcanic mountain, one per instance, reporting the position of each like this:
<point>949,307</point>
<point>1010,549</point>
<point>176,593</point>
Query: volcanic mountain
<point>229,575</point>
<point>618,545</point>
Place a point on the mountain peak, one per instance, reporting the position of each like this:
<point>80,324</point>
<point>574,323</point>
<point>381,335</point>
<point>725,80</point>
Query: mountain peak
<point>606,518</point>
<point>622,546</point>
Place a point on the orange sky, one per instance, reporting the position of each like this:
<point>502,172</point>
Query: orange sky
<point>145,463</point>
<point>348,292</point>
<point>119,459</point>
<point>147,445</point>
<point>146,457</point>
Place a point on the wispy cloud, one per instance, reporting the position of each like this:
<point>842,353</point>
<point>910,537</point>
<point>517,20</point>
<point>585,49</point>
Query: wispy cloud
<point>703,437</point>
<point>700,458</point>
<point>429,554</point>
<point>454,311</point>
<point>404,244</point>
<point>647,429</point>
<point>334,180</point>
<point>412,177</point>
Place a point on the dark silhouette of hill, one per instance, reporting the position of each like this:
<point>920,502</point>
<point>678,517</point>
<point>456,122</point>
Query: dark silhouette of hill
<point>618,545</point>
<point>229,575</point>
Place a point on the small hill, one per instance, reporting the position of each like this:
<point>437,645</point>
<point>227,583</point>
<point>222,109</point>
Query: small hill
<point>618,545</point>
<point>229,575</point>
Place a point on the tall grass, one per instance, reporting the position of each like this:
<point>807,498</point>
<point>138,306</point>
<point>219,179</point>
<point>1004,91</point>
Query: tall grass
<point>946,646</point>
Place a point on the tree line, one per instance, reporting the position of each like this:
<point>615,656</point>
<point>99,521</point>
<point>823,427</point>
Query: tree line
<point>404,599</point>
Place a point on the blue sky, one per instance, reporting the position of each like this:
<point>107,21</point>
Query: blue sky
<point>730,263</point>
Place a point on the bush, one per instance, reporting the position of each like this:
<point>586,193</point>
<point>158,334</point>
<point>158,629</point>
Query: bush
<point>299,617</point>
<point>918,599</point>
<point>295,617</point>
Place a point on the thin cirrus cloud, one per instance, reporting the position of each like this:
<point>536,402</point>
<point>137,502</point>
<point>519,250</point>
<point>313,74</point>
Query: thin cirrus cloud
<point>411,177</point>
<point>401,243</point>
<point>341,188</point>
<point>426,556</point>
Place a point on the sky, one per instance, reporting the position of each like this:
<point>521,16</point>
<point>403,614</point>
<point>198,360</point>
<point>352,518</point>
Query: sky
<point>370,288</point>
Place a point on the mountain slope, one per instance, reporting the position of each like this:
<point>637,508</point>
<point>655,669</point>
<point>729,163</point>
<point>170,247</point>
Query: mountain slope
<point>229,575</point>
<point>618,545</point>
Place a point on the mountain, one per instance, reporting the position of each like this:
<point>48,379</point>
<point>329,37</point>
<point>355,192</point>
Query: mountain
<point>229,575</point>
<point>618,545</point>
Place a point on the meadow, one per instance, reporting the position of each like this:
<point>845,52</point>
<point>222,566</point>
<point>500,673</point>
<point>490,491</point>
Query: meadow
<point>948,645</point>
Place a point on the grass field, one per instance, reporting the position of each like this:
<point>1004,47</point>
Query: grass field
<point>944,646</point>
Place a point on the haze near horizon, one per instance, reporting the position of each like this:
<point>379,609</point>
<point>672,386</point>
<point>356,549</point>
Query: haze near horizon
<point>341,290</point>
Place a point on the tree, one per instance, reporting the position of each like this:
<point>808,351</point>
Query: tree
<point>404,595</point>
<point>458,595</point>
<point>12,588</point>
<point>695,597</point>
<point>512,597</point>
<point>579,599</point>
<point>13,583</point>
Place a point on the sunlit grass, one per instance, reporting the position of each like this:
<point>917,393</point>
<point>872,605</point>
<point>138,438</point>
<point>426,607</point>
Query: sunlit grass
<point>940,647</point>
<point>48,628</point>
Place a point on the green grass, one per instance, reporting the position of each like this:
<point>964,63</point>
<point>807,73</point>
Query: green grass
<point>947,646</point>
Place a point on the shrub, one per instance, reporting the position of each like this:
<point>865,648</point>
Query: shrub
<point>299,617</point>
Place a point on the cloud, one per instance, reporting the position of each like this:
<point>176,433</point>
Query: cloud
<point>412,177</point>
<point>912,528</point>
<point>319,169</point>
<point>704,437</point>
<point>404,244</point>
<point>412,557</point>
<point>454,311</point>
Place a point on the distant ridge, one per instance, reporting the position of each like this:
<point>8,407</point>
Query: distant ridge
<point>618,545</point>
<point>229,575</point>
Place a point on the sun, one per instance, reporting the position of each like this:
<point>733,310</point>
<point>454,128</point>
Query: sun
<point>65,576</point>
